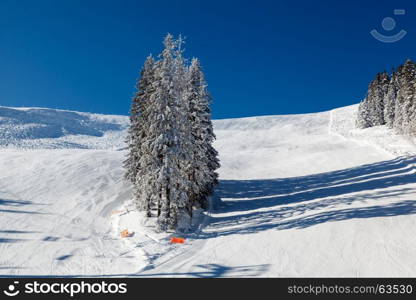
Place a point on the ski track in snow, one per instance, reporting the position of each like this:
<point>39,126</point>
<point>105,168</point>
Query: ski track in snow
<point>302,195</point>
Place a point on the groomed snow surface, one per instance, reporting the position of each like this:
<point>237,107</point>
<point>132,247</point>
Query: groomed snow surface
<point>300,195</point>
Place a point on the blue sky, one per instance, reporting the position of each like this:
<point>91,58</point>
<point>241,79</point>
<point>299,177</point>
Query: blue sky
<point>260,57</point>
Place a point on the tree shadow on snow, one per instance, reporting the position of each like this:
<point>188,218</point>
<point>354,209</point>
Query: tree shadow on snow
<point>205,271</point>
<point>10,241</point>
<point>7,240</point>
<point>256,204</point>
<point>215,271</point>
<point>9,202</point>
<point>14,207</point>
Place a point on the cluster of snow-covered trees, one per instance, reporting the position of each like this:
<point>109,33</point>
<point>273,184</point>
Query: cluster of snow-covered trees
<point>171,160</point>
<point>391,101</point>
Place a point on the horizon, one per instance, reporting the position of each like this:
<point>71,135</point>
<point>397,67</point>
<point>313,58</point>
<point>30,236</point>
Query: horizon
<point>86,57</point>
<point>214,119</point>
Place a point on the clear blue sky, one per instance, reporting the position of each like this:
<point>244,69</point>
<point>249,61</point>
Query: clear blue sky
<point>260,57</point>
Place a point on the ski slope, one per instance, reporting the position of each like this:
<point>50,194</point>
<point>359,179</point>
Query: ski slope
<point>44,128</point>
<point>301,195</point>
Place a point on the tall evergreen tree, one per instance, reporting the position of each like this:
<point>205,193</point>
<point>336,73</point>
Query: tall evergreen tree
<point>405,98</point>
<point>137,132</point>
<point>382,86</point>
<point>166,142</point>
<point>363,116</point>
<point>205,157</point>
<point>371,110</point>
<point>390,100</point>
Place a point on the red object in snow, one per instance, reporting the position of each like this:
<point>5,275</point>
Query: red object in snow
<point>177,240</point>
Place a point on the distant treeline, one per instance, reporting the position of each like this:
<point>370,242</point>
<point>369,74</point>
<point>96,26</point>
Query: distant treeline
<point>391,101</point>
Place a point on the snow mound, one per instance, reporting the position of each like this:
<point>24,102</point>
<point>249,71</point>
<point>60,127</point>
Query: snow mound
<point>42,128</point>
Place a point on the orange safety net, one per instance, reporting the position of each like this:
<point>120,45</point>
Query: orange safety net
<point>177,240</point>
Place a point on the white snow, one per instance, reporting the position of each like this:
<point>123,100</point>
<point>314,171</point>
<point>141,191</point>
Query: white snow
<point>44,128</point>
<point>302,195</point>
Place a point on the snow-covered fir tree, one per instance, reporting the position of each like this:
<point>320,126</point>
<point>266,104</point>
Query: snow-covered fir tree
<point>164,141</point>
<point>405,98</point>
<point>371,110</point>
<point>363,116</point>
<point>137,133</point>
<point>204,157</point>
<point>378,95</point>
<point>140,99</point>
<point>390,100</point>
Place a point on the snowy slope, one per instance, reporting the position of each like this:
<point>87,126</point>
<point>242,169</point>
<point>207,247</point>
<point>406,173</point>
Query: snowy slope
<point>302,195</point>
<point>285,146</point>
<point>43,128</point>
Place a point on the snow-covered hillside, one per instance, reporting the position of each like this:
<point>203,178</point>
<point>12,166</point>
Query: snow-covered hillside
<point>302,195</point>
<point>43,128</point>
